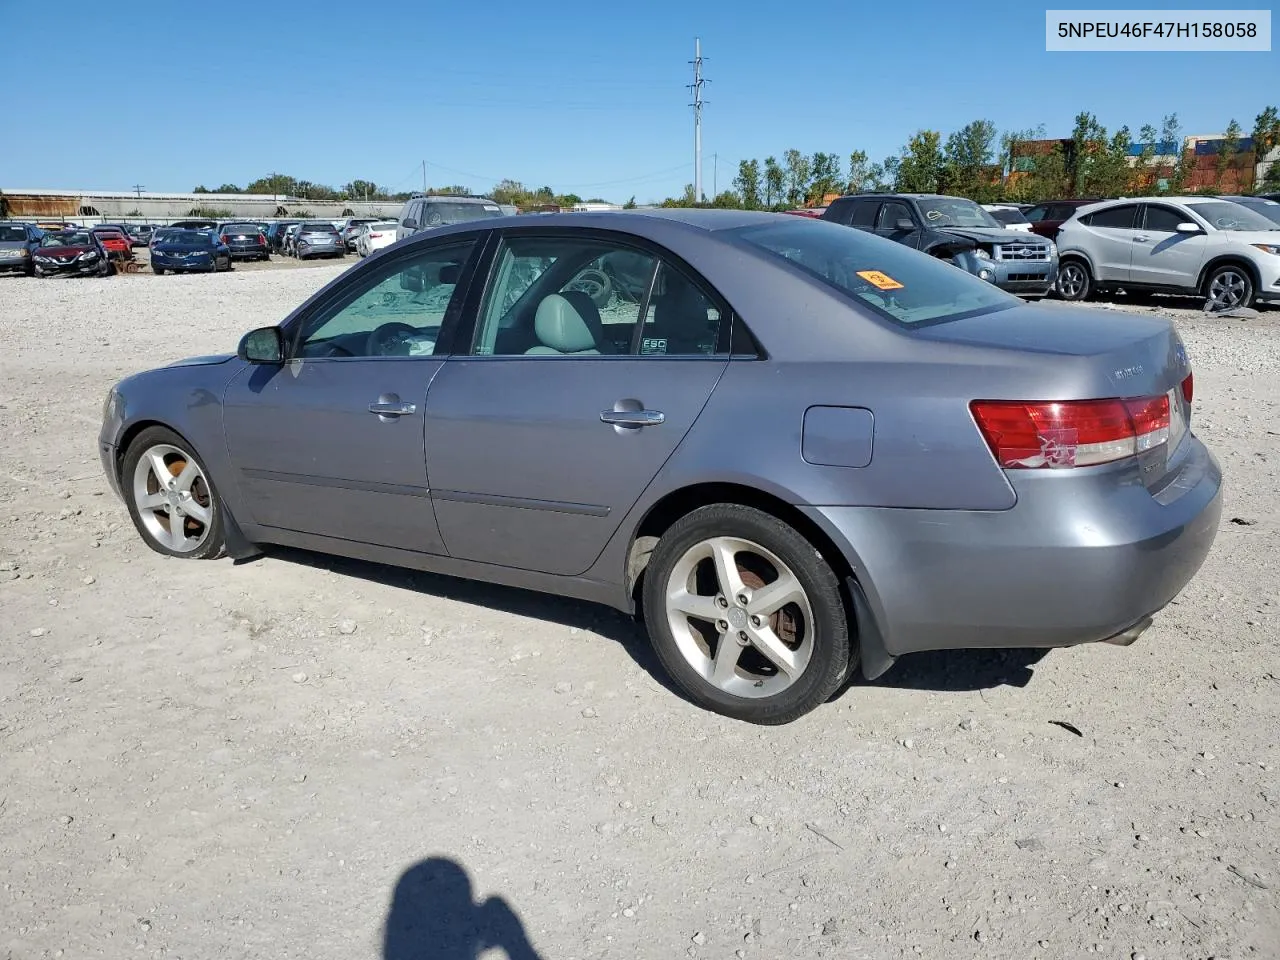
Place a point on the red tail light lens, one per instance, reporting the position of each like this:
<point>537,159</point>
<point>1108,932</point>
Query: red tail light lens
<point>1188,388</point>
<point>262,241</point>
<point>225,239</point>
<point>1077,433</point>
<point>375,235</point>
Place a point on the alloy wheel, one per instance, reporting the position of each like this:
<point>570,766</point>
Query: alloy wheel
<point>1072,281</point>
<point>1228,289</point>
<point>740,617</point>
<point>173,498</point>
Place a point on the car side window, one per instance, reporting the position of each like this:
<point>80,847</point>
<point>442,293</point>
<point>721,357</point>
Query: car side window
<point>839,211</point>
<point>558,296</point>
<point>1163,219</point>
<point>864,214</point>
<point>396,310</point>
<point>1035,214</point>
<point>891,213</point>
<point>1116,218</point>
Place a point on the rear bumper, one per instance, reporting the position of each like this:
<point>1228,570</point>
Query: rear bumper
<point>1061,567</point>
<point>249,250</point>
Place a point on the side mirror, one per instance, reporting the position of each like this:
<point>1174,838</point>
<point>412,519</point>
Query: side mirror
<point>264,345</point>
<point>1189,227</point>
<point>411,224</point>
<point>903,224</point>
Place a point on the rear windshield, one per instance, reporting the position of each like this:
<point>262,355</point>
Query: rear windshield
<point>10,233</point>
<point>1226,215</point>
<point>318,228</point>
<point>442,212</point>
<point>900,284</point>
<point>1009,216</point>
<point>241,228</point>
<point>196,238</point>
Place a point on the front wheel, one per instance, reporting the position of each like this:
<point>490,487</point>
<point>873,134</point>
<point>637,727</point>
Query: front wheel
<point>1227,288</point>
<point>158,271</point>
<point>171,500</point>
<point>1074,280</point>
<point>746,616</point>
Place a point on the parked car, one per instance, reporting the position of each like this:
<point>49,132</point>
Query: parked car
<point>1008,216</point>
<point>351,229</point>
<point>195,224</point>
<point>71,253</point>
<point>1270,196</point>
<point>1013,493</point>
<point>1046,218</point>
<point>374,236</point>
<point>275,234</point>
<point>956,230</point>
<point>429,212</point>
<point>244,240</point>
<point>115,241</point>
<point>160,232</point>
<point>18,242</point>
<point>140,234</point>
<point>814,212</point>
<point>1223,251</point>
<point>318,238</point>
<point>186,251</point>
<point>1268,208</point>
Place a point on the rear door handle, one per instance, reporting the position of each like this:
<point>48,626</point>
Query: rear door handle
<point>1142,239</point>
<point>633,418</point>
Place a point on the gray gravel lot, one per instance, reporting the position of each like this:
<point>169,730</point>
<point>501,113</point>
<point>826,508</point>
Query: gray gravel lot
<point>208,760</point>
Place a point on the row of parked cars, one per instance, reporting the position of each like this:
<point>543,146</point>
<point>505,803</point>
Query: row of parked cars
<point>1223,248</point>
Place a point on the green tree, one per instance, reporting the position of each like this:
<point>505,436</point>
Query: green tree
<point>969,162</point>
<point>1266,137</point>
<point>774,183</point>
<point>362,190</point>
<point>1109,173</point>
<point>201,188</point>
<point>747,183</point>
<point>1226,177</point>
<point>228,188</point>
<point>1171,134</point>
<point>859,172</point>
<point>799,172</point>
<point>630,204</point>
<point>887,175</point>
<point>727,200</point>
<point>1086,139</point>
<point>824,172</point>
<point>510,191</point>
<point>919,166</point>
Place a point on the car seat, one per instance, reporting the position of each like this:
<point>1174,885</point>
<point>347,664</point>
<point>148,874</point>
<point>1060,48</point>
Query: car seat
<point>568,323</point>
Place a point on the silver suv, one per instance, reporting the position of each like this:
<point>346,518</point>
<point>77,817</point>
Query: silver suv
<point>1218,249</point>
<point>427,212</point>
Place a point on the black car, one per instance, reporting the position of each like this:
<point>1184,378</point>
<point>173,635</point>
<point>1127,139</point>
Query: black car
<point>275,234</point>
<point>75,253</point>
<point>18,241</point>
<point>186,251</point>
<point>245,240</point>
<point>957,230</point>
<point>195,224</point>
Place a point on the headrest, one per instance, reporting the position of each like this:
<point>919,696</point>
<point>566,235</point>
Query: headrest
<point>449,273</point>
<point>559,324</point>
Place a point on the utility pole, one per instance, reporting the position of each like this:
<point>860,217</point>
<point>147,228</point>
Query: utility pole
<point>715,171</point>
<point>137,189</point>
<point>424,177</point>
<point>696,87</point>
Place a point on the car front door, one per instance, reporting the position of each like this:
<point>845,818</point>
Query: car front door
<point>1163,256</point>
<point>1111,245</point>
<point>331,441</point>
<point>892,221</point>
<point>544,434</point>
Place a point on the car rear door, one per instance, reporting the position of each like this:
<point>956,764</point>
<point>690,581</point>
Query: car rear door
<point>537,451</point>
<point>1111,241</point>
<point>331,442</point>
<point>1163,256</point>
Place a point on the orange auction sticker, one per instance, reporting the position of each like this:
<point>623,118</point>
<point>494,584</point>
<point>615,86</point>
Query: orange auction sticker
<point>881,281</point>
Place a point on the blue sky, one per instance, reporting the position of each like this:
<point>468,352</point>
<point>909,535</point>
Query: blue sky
<point>586,97</point>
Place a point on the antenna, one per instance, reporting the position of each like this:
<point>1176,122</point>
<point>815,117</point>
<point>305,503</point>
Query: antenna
<point>697,104</point>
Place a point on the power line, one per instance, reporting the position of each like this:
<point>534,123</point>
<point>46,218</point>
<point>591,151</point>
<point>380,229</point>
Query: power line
<point>696,87</point>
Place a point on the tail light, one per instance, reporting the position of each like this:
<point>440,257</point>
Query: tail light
<point>375,235</point>
<point>1188,388</point>
<point>262,241</point>
<point>225,239</point>
<point>1075,433</point>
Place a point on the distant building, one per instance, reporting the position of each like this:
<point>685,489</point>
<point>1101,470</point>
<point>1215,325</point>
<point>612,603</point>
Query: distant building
<point>595,207</point>
<point>94,206</point>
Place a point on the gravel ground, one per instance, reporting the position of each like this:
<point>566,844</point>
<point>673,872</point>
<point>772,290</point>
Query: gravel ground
<point>312,758</point>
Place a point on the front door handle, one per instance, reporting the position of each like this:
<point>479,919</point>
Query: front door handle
<point>388,408</point>
<point>1142,239</point>
<point>633,418</point>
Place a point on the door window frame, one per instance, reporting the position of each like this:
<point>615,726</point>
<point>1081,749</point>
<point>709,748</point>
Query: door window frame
<point>1182,215</point>
<point>732,336</point>
<point>348,288</point>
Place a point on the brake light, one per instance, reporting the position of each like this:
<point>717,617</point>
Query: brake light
<point>1188,388</point>
<point>225,239</point>
<point>262,241</point>
<point>375,235</point>
<point>1073,433</point>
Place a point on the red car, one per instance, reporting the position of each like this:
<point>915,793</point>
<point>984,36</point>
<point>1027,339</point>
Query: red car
<point>815,212</point>
<point>1047,217</point>
<point>116,243</point>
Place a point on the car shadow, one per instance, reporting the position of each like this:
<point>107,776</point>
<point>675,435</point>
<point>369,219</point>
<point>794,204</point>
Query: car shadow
<point>434,916</point>
<point>955,671</point>
<point>575,614</point>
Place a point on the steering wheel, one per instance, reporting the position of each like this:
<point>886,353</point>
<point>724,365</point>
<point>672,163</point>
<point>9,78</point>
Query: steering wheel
<point>384,340</point>
<point>594,283</point>
<point>331,349</point>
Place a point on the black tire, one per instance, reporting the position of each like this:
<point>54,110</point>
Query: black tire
<point>1230,285</point>
<point>106,269</point>
<point>213,544</point>
<point>1075,282</point>
<point>158,271</point>
<point>831,655</point>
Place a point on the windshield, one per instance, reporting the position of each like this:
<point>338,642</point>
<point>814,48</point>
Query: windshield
<point>1227,215</point>
<point>443,212</point>
<point>76,239</point>
<point>898,283</point>
<point>956,212</point>
<point>1008,216</point>
<point>9,233</point>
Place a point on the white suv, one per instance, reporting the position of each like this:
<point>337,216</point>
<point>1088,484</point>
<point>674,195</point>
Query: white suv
<point>1219,249</point>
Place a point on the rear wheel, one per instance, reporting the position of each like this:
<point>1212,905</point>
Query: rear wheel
<point>1228,287</point>
<point>171,500</point>
<point>1074,280</point>
<point>745,615</point>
